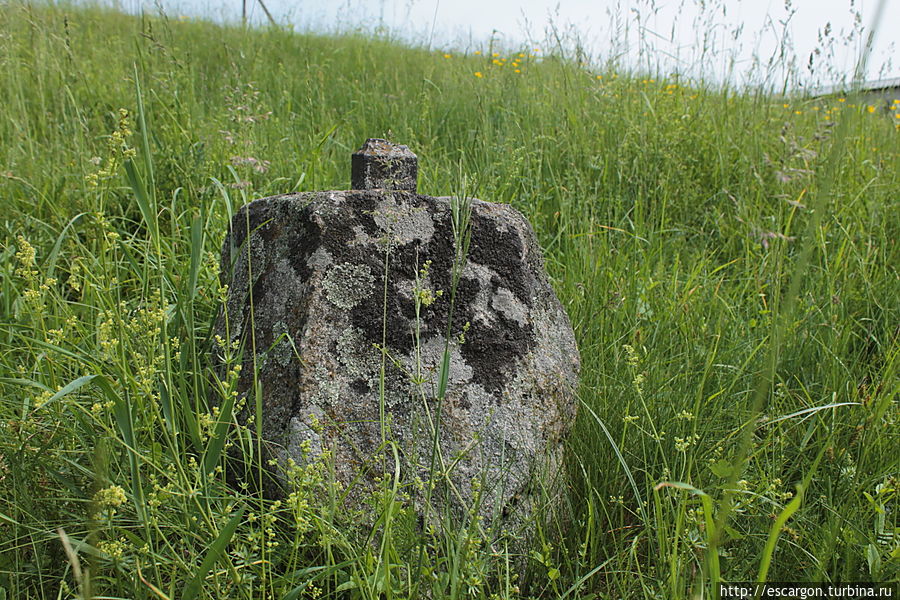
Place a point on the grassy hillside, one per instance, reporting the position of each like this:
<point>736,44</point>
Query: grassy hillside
<point>729,263</point>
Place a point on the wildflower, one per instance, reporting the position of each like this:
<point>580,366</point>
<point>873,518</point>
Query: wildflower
<point>870,108</point>
<point>114,549</point>
<point>682,444</point>
<point>478,53</point>
<point>109,499</point>
<point>633,358</point>
<point>639,384</point>
<point>44,397</point>
<point>766,236</point>
<point>479,74</point>
<point>448,56</point>
<point>26,252</point>
<point>260,166</point>
<point>461,338</point>
<point>26,258</point>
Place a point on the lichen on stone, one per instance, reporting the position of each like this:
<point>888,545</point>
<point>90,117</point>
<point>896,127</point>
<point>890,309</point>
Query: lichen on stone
<point>329,389</point>
<point>358,360</point>
<point>403,223</point>
<point>347,284</point>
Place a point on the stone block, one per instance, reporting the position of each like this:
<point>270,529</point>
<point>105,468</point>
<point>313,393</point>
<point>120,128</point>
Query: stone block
<point>347,296</point>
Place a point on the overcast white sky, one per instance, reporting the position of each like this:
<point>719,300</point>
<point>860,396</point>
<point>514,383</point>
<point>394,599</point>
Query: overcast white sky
<point>715,39</point>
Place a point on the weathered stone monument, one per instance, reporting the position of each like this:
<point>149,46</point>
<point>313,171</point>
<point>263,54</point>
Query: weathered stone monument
<point>346,297</point>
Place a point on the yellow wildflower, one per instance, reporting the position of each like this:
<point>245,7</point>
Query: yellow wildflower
<point>113,549</point>
<point>479,74</point>
<point>109,499</point>
<point>26,252</point>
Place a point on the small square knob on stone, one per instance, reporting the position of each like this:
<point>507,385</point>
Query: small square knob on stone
<point>382,165</point>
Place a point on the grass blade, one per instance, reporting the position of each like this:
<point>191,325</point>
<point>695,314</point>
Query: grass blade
<point>217,441</point>
<point>216,549</point>
<point>712,554</point>
<point>621,458</point>
<point>142,196</point>
<point>197,236</point>
<point>775,532</point>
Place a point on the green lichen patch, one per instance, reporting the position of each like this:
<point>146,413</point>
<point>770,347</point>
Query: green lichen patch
<point>346,285</point>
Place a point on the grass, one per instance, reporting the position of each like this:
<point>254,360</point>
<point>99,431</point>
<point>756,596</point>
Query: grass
<point>728,260</point>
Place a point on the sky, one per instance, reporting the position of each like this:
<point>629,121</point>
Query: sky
<point>739,42</point>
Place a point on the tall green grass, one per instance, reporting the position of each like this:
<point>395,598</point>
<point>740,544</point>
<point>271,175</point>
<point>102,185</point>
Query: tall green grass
<point>729,263</point>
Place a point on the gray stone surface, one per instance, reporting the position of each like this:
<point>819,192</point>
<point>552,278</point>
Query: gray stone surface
<point>314,265</point>
<point>380,164</point>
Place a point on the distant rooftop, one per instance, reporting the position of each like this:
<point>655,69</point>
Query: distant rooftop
<point>876,86</point>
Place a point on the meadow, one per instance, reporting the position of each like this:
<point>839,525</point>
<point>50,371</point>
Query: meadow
<point>728,260</point>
